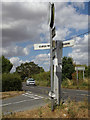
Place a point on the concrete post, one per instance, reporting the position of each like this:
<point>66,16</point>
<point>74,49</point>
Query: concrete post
<point>59,69</point>
<point>55,79</point>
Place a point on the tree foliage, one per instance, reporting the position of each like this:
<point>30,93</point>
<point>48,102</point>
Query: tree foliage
<point>87,71</point>
<point>67,67</point>
<point>6,65</point>
<point>11,82</point>
<point>28,69</point>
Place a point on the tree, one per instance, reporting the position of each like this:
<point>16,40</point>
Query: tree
<point>28,69</point>
<point>6,65</point>
<point>87,71</point>
<point>67,67</point>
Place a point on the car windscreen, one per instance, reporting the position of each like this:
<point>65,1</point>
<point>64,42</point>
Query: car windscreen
<point>30,79</point>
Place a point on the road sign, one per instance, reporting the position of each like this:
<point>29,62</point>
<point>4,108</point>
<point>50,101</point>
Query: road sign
<point>53,32</point>
<point>42,46</point>
<point>69,43</point>
<point>80,68</point>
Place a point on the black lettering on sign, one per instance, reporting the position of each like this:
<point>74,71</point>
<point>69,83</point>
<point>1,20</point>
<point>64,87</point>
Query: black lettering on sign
<point>44,46</point>
<point>66,43</point>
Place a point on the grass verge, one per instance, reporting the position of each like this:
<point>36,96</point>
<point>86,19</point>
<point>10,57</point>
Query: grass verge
<point>9,94</point>
<point>71,84</point>
<point>70,109</point>
<point>43,79</point>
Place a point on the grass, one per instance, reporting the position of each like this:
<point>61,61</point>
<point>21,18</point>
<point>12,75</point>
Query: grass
<point>83,84</point>
<point>43,79</point>
<point>9,94</point>
<point>70,109</point>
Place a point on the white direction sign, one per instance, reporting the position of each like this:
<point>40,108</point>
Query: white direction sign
<point>69,43</point>
<point>79,68</point>
<point>43,46</point>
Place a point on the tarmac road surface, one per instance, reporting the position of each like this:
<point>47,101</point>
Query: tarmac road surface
<point>36,96</point>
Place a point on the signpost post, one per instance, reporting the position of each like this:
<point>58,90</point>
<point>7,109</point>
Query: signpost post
<point>52,34</point>
<point>56,55</point>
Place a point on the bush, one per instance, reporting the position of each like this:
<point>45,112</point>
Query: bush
<point>11,82</point>
<point>67,83</point>
<point>42,79</point>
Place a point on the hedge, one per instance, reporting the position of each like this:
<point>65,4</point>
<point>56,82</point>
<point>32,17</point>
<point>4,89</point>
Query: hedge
<point>11,82</point>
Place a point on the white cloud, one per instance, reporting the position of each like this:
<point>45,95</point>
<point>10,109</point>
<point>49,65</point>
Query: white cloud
<point>22,21</point>
<point>28,22</point>
<point>62,33</point>
<point>68,17</point>
<point>15,51</point>
<point>80,50</point>
<point>80,5</point>
<point>43,60</point>
<point>16,61</point>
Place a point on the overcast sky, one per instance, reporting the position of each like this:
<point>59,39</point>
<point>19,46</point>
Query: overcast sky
<point>25,24</point>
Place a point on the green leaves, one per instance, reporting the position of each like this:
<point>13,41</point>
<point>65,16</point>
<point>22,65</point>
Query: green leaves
<point>6,65</point>
<point>11,82</point>
<point>67,67</point>
<point>28,69</point>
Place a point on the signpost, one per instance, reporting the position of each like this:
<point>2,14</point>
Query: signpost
<point>43,46</point>
<point>56,55</point>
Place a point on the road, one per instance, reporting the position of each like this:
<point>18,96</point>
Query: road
<point>36,96</point>
<point>78,95</point>
<point>25,101</point>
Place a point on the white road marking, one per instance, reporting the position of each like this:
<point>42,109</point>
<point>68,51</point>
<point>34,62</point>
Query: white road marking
<point>32,96</point>
<point>29,91</point>
<point>15,102</point>
<point>6,104</point>
<point>39,96</point>
<point>83,94</point>
<point>82,90</point>
<point>64,92</point>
